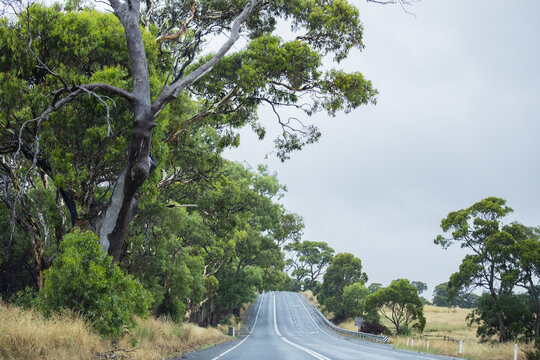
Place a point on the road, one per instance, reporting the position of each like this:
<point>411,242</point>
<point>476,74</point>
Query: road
<point>284,326</point>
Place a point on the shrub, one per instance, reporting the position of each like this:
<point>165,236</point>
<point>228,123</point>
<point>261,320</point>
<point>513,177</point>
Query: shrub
<point>374,327</point>
<point>535,353</point>
<point>83,279</point>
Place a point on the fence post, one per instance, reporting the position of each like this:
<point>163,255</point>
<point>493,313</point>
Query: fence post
<point>428,344</point>
<point>407,342</point>
<point>515,351</point>
<point>460,346</point>
<point>412,342</point>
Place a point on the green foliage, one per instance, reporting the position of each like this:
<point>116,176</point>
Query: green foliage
<point>374,327</point>
<point>161,260</point>
<point>84,280</point>
<point>502,256</point>
<point>345,269</point>
<point>354,298</point>
<point>16,262</point>
<point>277,72</point>
<point>420,286</point>
<point>309,260</point>
<point>205,259</point>
<point>440,295</point>
<point>400,304</point>
<point>373,287</point>
<point>462,299</point>
<point>515,312</point>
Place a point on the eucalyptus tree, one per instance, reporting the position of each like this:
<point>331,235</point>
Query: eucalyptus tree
<point>229,85</point>
<point>527,257</point>
<point>309,259</point>
<point>495,262</point>
<point>345,270</point>
<point>400,304</point>
<point>420,286</point>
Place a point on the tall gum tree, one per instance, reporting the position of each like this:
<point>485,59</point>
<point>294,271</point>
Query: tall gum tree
<point>229,85</point>
<point>494,262</point>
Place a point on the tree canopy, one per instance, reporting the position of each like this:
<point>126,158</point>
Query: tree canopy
<point>502,256</point>
<point>400,304</point>
<point>462,299</point>
<point>345,269</point>
<point>115,122</point>
<point>134,86</point>
<point>309,259</point>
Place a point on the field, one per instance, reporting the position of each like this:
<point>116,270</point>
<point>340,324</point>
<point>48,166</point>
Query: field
<point>450,322</point>
<point>26,335</point>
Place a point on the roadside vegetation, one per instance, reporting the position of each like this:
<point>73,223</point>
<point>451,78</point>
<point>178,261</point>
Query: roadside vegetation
<point>116,202</point>
<point>118,209</point>
<point>26,334</point>
<point>504,262</point>
<point>445,327</point>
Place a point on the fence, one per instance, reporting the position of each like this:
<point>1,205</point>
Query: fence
<point>378,338</point>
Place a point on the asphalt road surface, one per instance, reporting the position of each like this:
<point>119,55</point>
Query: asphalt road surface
<point>285,326</point>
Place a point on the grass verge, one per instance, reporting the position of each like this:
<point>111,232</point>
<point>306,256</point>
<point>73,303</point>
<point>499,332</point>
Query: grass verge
<point>26,335</point>
<point>472,349</point>
<point>450,322</point>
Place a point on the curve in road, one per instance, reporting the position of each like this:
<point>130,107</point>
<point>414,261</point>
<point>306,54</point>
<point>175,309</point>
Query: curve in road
<point>286,327</point>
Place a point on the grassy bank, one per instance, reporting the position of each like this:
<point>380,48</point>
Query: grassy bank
<point>450,323</point>
<point>25,335</point>
<point>446,322</point>
<point>471,348</point>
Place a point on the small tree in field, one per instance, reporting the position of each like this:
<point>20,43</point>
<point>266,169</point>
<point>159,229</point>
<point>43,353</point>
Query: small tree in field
<point>400,304</point>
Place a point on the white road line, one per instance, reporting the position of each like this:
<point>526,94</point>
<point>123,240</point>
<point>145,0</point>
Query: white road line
<point>309,351</point>
<point>240,343</point>
<point>416,356</point>
<point>317,325</point>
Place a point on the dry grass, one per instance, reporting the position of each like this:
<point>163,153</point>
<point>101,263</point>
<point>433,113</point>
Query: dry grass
<point>25,335</point>
<point>157,338</point>
<point>450,322</point>
<point>312,298</point>
<point>471,348</point>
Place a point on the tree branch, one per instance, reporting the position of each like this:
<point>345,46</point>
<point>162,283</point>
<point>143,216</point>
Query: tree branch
<point>173,91</point>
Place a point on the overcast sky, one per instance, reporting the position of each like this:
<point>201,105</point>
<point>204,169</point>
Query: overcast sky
<point>457,120</point>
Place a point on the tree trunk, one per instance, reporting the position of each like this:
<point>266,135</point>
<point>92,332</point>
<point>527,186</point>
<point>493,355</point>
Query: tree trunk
<point>502,332</point>
<point>34,230</point>
<point>123,203</point>
<point>536,298</point>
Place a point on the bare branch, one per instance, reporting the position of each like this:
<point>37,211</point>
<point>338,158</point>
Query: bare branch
<point>402,3</point>
<point>183,28</point>
<point>213,110</point>
<point>173,91</point>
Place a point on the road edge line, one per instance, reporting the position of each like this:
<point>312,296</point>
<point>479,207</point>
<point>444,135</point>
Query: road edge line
<point>240,343</point>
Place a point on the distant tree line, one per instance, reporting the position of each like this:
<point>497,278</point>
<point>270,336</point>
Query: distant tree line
<point>343,292</point>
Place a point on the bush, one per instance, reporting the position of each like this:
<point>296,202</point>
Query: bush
<point>534,354</point>
<point>83,279</point>
<point>374,327</point>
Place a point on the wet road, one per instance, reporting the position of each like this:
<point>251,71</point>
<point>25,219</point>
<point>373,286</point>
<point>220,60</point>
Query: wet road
<point>285,326</point>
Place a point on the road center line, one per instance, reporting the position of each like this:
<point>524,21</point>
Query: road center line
<point>304,349</point>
